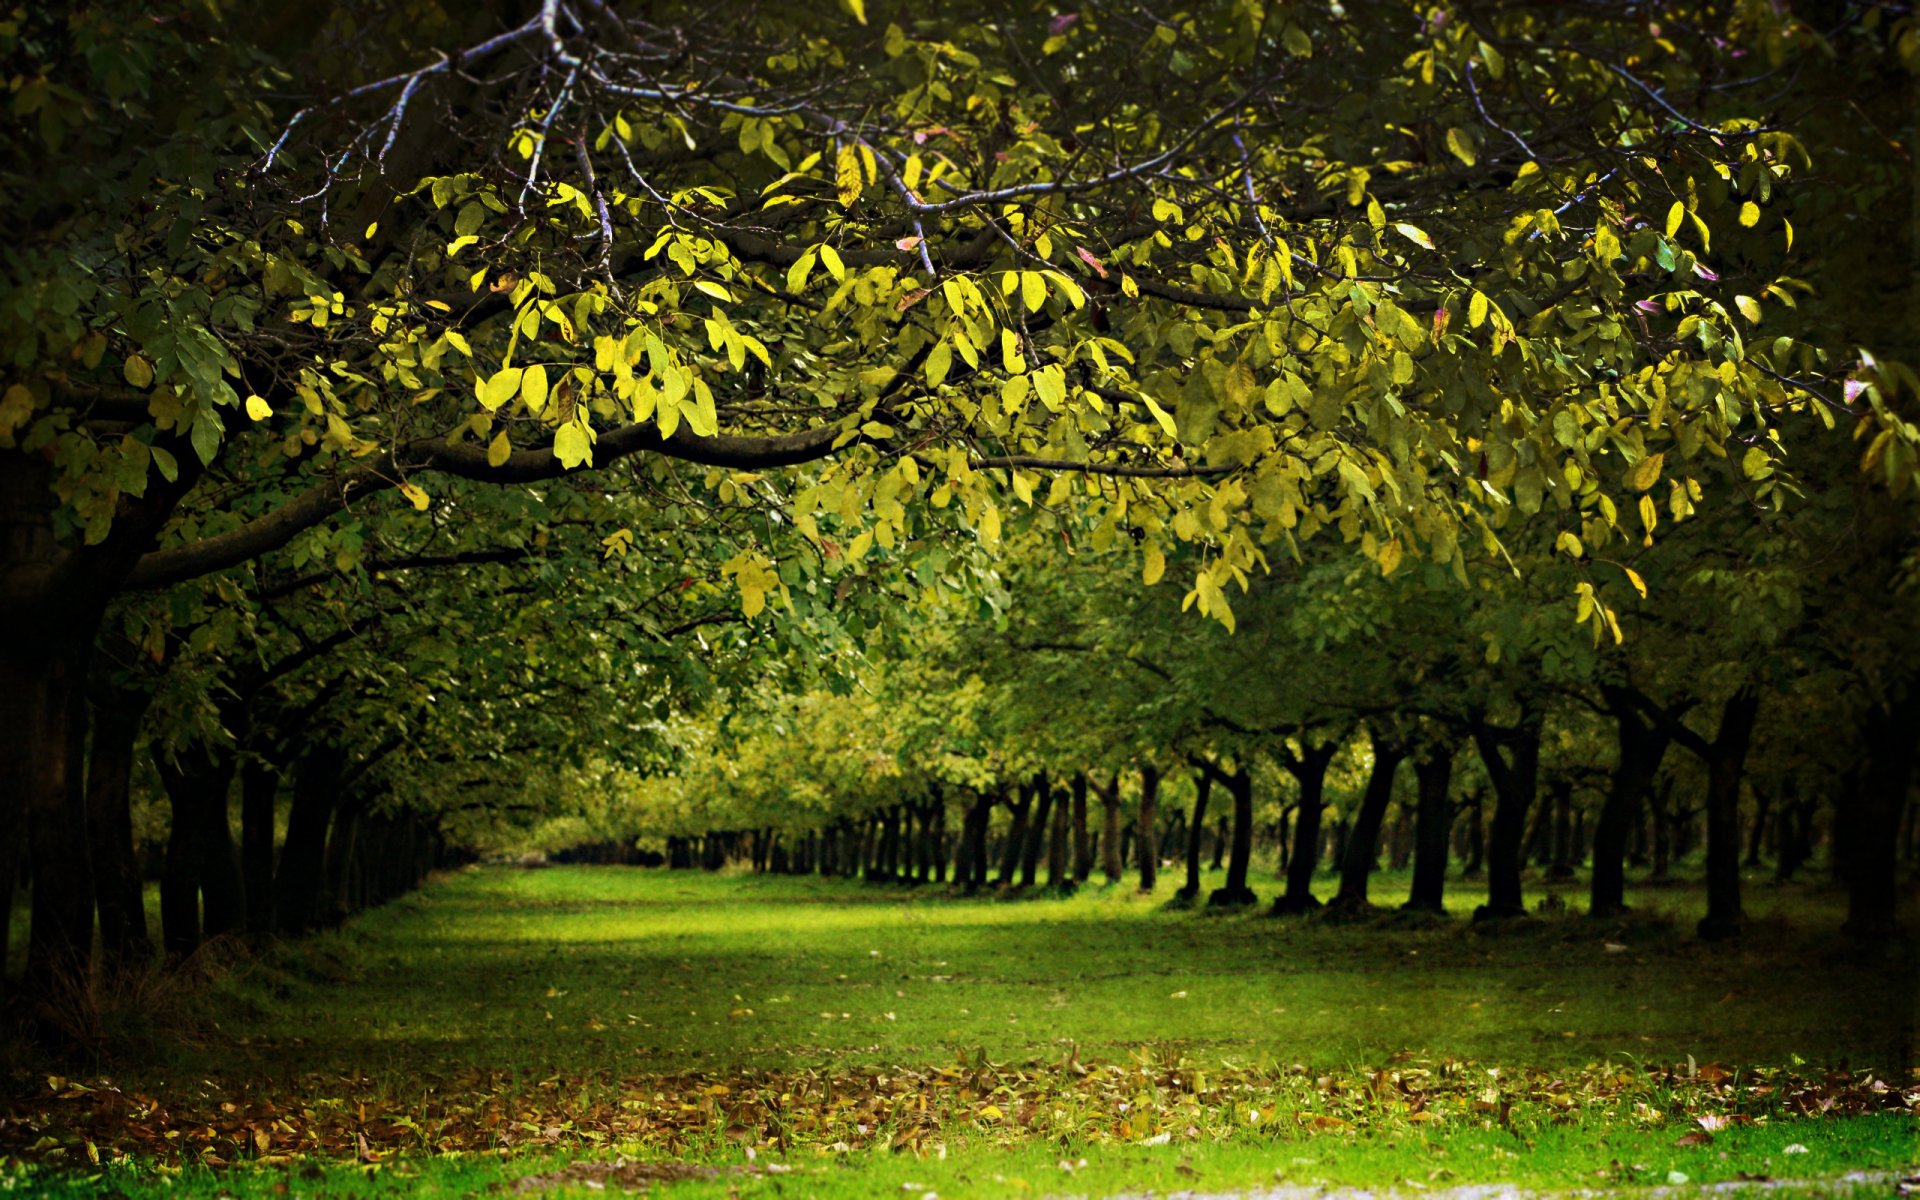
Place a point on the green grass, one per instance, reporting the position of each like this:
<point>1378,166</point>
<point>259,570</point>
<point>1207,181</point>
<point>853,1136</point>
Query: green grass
<point>597,1004</point>
<point>685,970</point>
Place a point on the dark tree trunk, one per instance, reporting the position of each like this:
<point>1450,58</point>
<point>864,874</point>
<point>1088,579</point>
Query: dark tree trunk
<point>1220,836</point>
<point>1660,801</point>
<point>1796,834</point>
<point>200,855</point>
<point>259,790</point>
<point>1641,747</point>
<point>1363,839</point>
<point>1082,842</point>
<point>43,716</point>
<point>337,898</point>
<point>1562,865</point>
<point>124,940</point>
<point>1309,770</point>
<point>1512,760</point>
<point>1146,843</point>
<point>1236,893</point>
<point>1872,814</point>
<point>1726,763</point>
<point>1433,819</point>
<point>1037,831</point>
<point>971,873</point>
<point>1757,831</point>
<point>1112,840</point>
<point>1059,867</point>
<point>1476,839</point>
<point>1020,810</point>
<point>1196,831</point>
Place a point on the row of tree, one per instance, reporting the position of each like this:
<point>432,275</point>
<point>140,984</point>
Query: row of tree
<point>527,428</point>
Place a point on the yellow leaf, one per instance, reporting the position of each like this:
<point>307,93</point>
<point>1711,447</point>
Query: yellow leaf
<point>847,174</point>
<point>1390,555</point>
<point>1639,584</point>
<point>1749,214</point>
<point>991,1112</point>
<point>1461,145</point>
<point>859,10</point>
<point>1675,215</point>
<point>1156,566</point>
<point>1645,473</point>
<point>502,387</point>
<point>533,387</point>
<point>417,497</point>
<point>138,371</point>
<point>1476,310</point>
<point>1163,417</point>
<point>258,409</point>
<point>498,449</point>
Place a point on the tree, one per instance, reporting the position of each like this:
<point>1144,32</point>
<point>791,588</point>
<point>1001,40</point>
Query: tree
<point>1253,274</point>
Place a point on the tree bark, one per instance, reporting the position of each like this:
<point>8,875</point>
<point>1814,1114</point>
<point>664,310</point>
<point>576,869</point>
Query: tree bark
<point>1082,843</point>
<point>1309,770</point>
<point>1059,866</point>
<point>1146,842</point>
<point>1726,763</point>
<point>200,860</point>
<point>1873,815</point>
<point>1020,809</point>
<point>124,940</point>
<point>259,792</point>
<point>304,855</point>
<point>1196,831</point>
<point>1433,820</point>
<point>1363,839</point>
<point>1037,830</point>
<point>1111,838</point>
<point>1512,759</point>
<point>1236,893</point>
<point>1641,747</point>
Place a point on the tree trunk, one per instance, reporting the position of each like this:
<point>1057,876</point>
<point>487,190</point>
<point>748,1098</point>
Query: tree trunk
<point>1309,770</point>
<point>1512,760</point>
<point>124,940</point>
<point>1433,819</point>
<point>1020,810</point>
<point>1725,765</point>
<point>1641,747</point>
<point>1146,842</point>
<point>43,718</point>
<point>971,873</point>
<point>1037,830</point>
<point>1236,893</point>
<point>259,792</point>
<point>1196,831</point>
<point>1111,838</point>
<point>200,862</point>
<point>1059,874</point>
<point>1082,845</point>
<point>1363,839</point>
<point>1873,814</point>
<point>1476,839</point>
<point>1562,866</point>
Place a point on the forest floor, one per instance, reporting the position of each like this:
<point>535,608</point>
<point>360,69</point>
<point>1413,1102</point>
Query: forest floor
<point>580,1029</point>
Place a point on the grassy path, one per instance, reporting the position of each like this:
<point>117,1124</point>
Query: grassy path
<point>856,1034</point>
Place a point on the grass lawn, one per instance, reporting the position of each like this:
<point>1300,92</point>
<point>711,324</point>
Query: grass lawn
<point>869,1038</point>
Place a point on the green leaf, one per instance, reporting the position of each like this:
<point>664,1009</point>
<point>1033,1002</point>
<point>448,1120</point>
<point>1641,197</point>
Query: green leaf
<point>137,371</point>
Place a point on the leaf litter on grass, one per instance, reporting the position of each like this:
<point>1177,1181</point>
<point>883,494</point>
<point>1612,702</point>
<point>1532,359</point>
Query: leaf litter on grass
<point>1157,1097</point>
